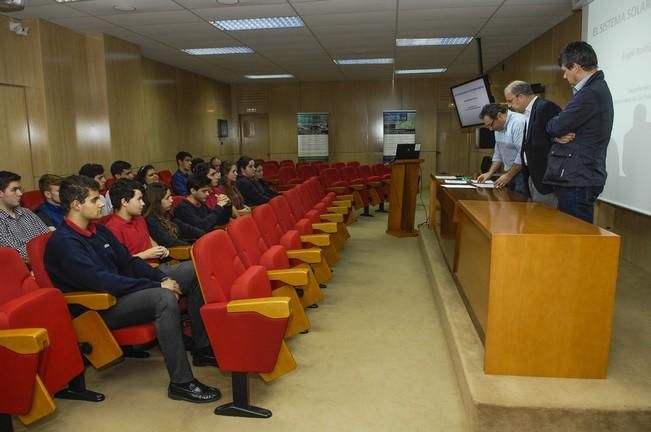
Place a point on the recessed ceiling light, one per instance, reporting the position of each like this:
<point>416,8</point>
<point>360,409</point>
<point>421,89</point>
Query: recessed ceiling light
<point>258,23</point>
<point>462,40</point>
<point>228,2</point>
<point>124,8</point>
<point>218,51</point>
<point>277,76</point>
<point>420,71</point>
<point>364,61</point>
<point>68,1</point>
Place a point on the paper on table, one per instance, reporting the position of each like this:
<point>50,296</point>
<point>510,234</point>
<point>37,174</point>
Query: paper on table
<point>445,177</point>
<point>458,186</point>
<point>456,181</point>
<point>490,185</point>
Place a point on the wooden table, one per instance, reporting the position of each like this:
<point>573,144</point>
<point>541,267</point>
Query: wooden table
<point>540,286</point>
<point>446,226</point>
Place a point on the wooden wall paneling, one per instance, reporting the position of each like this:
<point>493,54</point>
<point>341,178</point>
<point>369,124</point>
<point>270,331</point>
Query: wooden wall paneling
<point>381,96</point>
<point>14,135</point>
<point>197,125</point>
<point>126,101</point>
<point>20,63</point>
<point>226,146</point>
<point>284,103</point>
<point>160,113</point>
<point>350,114</point>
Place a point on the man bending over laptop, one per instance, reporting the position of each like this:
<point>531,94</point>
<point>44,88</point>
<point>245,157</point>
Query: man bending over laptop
<point>83,256</point>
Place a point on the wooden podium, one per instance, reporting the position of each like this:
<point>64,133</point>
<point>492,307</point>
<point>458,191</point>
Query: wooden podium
<point>402,197</point>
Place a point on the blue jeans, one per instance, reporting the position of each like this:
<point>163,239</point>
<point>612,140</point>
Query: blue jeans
<point>578,201</point>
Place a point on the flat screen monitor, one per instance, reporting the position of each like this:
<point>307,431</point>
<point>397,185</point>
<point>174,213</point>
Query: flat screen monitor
<point>407,151</point>
<point>469,98</point>
<point>222,128</point>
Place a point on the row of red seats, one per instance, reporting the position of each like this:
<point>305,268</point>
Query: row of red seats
<point>247,276</point>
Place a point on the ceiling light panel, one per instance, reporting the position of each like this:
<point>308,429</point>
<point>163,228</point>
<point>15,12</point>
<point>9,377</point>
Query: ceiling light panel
<point>218,51</point>
<point>278,76</point>
<point>364,61</point>
<point>420,71</point>
<point>445,41</point>
<point>258,23</point>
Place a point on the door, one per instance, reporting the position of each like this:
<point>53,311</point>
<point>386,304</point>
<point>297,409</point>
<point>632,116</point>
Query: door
<point>254,136</point>
<point>14,135</point>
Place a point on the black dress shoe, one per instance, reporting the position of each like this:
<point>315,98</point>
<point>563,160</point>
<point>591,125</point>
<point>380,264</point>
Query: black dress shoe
<point>194,391</point>
<point>204,357</point>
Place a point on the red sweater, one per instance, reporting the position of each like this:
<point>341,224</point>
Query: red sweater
<point>133,235</point>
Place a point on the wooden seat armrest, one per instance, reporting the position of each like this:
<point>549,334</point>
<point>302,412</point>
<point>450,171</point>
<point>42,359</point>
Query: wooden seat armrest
<point>332,217</point>
<point>181,253</point>
<point>271,307</point>
<point>327,227</point>
<point>90,300</point>
<point>310,256</point>
<point>338,210</point>
<point>343,203</point>
<point>358,187</point>
<point>375,184</point>
<point>294,277</point>
<point>336,189</point>
<point>348,197</point>
<point>316,239</point>
<point>24,340</point>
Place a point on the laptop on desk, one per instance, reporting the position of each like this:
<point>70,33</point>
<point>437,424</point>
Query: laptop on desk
<point>407,151</point>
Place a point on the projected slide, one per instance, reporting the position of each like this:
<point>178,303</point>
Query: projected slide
<point>469,99</point>
<point>620,32</point>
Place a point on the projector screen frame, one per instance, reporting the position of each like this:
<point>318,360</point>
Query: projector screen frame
<point>487,85</point>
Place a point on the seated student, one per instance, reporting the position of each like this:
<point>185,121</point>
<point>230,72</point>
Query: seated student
<point>83,256</point>
<point>216,163</point>
<point>194,211</point>
<point>119,170</point>
<point>96,172</point>
<point>228,187</point>
<point>147,175</point>
<point>205,170</point>
<point>249,187</point>
<point>180,177</point>
<point>158,212</point>
<point>259,176</point>
<point>18,225</point>
<point>50,211</point>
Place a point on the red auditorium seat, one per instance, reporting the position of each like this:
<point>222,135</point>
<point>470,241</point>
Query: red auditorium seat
<point>288,177</point>
<point>382,171</point>
<point>165,176</point>
<point>333,182</point>
<point>339,165</point>
<point>350,175</point>
<point>307,171</point>
<point>109,183</point>
<point>32,199</point>
<point>244,322</point>
<point>22,353</point>
<point>270,170</point>
<point>126,337</point>
<point>273,234</point>
<point>306,228</point>
<point>286,162</point>
<point>353,163</point>
<point>253,250</point>
<point>24,305</point>
<point>373,181</point>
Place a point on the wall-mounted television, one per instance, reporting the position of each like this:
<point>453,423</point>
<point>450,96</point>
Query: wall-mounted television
<point>469,98</point>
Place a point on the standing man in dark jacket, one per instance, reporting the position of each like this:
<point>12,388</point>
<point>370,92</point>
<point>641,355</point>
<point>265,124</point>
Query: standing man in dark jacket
<point>536,144</point>
<point>577,162</point>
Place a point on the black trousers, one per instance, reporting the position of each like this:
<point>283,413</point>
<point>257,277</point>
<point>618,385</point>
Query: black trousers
<point>160,305</point>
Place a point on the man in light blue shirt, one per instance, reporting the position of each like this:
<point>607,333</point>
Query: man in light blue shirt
<point>509,130</point>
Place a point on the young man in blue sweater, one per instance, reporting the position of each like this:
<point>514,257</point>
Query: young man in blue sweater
<point>50,212</point>
<point>82,256</point>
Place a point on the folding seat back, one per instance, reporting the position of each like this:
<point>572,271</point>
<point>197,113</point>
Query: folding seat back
<point>251,247</point>
<point>350,174</point>
<point>283,212</point>
<point>300,164</point>
<point>268,225</point>
<point>24,305</point>
<point>307,171</point>
<point>339,165</point>
<point>381,170</point>
<point>176,200</point>
<point>353,163</point>
<point>288,176</point>
<point>165,176</point>
<point>273,162</point>
<point>286,162</point>
<point>331,178</point>
<point>245,325</point>
<point>270,170</point>
<point>32,199</point>
<point>109,183</point>
<point>294,200</point>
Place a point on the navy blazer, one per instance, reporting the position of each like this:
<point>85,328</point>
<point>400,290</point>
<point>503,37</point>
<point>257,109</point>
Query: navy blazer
<point>589,114</point>
<point>537,142</point>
